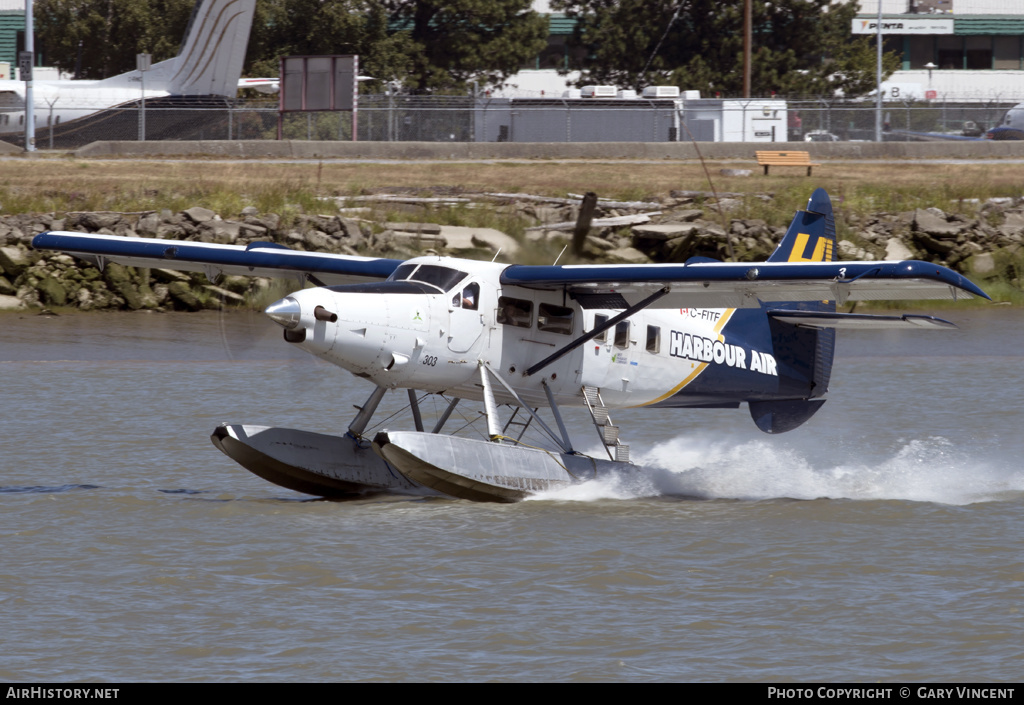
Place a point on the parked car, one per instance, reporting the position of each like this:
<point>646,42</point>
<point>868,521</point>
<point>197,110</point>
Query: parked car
<point>820,136</point>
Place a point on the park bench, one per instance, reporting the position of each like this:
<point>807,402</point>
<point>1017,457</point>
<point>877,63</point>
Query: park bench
<point>787,158</point>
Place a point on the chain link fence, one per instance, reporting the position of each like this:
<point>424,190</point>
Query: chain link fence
<point>398,118</point>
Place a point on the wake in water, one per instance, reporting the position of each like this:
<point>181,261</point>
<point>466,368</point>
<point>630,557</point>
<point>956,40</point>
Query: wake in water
<point>926,470</point>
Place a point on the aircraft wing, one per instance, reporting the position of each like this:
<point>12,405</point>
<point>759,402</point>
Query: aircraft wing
<point>745,285</point>
<point>255,260</point>
<point>263,85</point>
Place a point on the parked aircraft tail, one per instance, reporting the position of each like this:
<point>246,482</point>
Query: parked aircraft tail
<point>211,56</point>
<point>804,354</point>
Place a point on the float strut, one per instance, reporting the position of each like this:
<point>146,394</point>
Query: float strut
<point>415,404</point>
<point>359,423</point>
<point>444,417</point>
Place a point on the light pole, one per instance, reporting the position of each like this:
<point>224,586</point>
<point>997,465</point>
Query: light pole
<point>26,59</point>
<point>142,64</point>
<point>878,77</point>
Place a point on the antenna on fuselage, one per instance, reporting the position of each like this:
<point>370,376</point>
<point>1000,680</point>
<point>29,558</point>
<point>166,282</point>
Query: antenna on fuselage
<point>496,254</point>
<point>560,255</point>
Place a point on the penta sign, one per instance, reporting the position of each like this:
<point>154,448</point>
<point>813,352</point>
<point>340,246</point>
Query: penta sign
<point>901,25</point>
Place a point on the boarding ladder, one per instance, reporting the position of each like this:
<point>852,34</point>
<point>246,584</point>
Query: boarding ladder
<point>608,432</point>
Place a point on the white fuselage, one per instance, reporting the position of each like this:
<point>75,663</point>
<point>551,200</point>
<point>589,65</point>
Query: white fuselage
<point>436,338</point>
<point>59,102</point>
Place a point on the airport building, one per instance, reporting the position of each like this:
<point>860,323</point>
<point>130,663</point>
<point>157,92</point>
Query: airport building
<point>12,28</point>
<point>951,50</point>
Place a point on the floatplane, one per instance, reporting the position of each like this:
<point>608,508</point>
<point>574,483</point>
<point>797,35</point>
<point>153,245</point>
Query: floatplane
<point>605,337</point>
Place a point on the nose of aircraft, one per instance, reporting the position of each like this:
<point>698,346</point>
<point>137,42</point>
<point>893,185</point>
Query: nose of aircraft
<point>285,312</point>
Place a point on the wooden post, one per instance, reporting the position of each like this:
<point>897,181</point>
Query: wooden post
<point>579,234</point>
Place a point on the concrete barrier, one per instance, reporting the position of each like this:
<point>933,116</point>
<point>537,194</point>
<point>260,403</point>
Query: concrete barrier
<point>296,149</point>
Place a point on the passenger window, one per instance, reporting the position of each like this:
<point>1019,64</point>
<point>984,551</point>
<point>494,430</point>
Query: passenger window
<point>471,297</point>
<point>515,312</point>
<point>622,334</point>
<point>599,320</point>
<point>555,319</point>
<point>653,339</point>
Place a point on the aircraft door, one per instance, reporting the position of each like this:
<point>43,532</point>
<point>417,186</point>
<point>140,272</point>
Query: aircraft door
<point>610,360</point>
<point>465,320</point>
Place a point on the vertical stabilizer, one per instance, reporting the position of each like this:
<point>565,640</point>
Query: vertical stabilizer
<point>804,355</point>
<point>812,234</point>
<point>211,57</point>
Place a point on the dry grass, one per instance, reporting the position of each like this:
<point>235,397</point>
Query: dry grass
<point>44,185</point>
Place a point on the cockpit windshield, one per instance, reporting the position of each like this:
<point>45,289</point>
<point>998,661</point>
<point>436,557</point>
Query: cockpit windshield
<point>444,278</point>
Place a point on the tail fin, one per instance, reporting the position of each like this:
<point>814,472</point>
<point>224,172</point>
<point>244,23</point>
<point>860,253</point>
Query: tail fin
<point>804,355</point>
<point>211,56</point>
<point>812,234</point>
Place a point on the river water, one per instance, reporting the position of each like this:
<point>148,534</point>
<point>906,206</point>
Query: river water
<point>880,541</point>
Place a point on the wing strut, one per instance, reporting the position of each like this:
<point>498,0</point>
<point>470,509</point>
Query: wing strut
<point>596,331</point>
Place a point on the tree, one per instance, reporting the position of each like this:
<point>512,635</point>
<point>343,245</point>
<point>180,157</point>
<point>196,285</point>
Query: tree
<point>100,38</point>
<point>454,41</point>
<point>799,46</point>
<point>316,27</point>
<point>426,44</point>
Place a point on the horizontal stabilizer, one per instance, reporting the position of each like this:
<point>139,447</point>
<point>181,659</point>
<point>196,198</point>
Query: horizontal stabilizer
<point>859,321</point>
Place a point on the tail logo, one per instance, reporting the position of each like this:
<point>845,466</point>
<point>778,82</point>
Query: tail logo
<point>822,249</point>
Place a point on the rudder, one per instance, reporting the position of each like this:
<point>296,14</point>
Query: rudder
<point>804,355</point>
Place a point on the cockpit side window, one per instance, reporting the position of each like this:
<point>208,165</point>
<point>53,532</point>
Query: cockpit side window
<point>402,272</point>
<point>471,296</point>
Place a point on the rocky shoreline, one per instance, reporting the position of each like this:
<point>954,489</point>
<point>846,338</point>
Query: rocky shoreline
<point>988,243</point>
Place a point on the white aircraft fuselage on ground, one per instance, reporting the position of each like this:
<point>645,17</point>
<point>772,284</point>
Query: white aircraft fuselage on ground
<point>210,63</point>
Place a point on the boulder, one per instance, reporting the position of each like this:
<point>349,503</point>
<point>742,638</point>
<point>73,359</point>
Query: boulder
<point>461,237</point>
<point>94,222</point>
<point>983,263</point>
<point>927,221</point>
<point>223,232</point>
<point>120,281</point>
<point>52,292</point>
<point>14,261</point>
<point>181,292</point>
<point>198,214</point>
<point>10,303</point>
<point>663,231</point>
<point>630,255</point>
<point>895,249</point>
